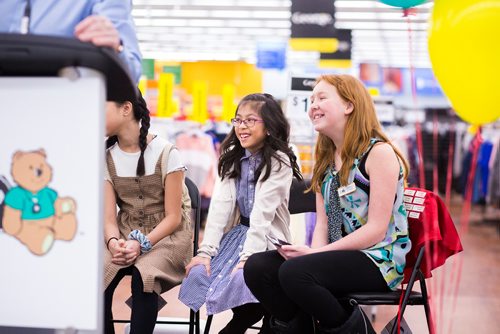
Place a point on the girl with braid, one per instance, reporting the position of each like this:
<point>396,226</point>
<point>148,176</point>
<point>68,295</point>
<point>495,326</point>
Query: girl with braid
<point>250,200</point>
<point>150,236</point>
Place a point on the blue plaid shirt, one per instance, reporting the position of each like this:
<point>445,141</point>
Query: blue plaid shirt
<point>245,185</point>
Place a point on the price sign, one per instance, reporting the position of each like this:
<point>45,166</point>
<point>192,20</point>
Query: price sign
<point>298,104</point>
<point>298,101</point>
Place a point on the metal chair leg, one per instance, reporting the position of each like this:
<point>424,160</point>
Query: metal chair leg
<point>191,322</point>
<point>197,317</point>
<point>207,325</point>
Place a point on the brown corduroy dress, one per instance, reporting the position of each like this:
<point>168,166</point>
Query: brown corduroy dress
<point>141,203</point>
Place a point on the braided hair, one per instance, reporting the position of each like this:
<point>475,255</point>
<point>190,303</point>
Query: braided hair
<point>141,115</point>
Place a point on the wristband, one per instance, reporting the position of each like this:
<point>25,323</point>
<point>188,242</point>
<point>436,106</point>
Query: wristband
<point>142,239</point>
<point>107,243</point>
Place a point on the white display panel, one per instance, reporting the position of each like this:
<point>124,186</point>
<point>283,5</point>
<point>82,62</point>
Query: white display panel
<point>62,288</point>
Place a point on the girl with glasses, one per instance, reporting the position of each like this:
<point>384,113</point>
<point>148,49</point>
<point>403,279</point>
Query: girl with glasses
<point>250,200</point>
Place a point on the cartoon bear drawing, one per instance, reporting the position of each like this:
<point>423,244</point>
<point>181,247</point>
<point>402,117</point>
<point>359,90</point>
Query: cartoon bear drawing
<point>33,212</point>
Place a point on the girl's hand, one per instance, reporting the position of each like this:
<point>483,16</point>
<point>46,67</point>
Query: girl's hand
<point>196,261</point>
<point>239,266</point>
<point>291,251</point>
<point>116,246</point>
<point>117,250</point>
<point>133,250</point>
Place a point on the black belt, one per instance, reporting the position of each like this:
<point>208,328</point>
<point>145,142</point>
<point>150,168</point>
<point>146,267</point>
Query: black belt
<point>245,221</point>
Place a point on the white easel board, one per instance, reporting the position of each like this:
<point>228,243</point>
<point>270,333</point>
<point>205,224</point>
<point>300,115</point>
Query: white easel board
<point>62,288</point>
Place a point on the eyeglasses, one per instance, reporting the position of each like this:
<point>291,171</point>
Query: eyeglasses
<point>250,122</point>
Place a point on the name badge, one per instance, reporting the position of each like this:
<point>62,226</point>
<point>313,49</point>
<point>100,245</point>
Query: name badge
<point>350,188</point>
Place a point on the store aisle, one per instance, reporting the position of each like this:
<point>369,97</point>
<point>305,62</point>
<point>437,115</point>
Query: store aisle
<point>476,308</point>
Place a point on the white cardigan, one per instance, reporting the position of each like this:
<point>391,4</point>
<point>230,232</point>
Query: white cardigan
<point>269,213</point>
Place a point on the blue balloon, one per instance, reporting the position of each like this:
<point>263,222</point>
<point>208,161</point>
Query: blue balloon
<point>403,3</point>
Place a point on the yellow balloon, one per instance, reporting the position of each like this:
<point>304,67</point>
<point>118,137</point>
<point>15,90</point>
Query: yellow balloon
<point>464,48</point>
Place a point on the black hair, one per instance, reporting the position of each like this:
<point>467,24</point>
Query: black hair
<point>141,114</point>
<point>278,129</point>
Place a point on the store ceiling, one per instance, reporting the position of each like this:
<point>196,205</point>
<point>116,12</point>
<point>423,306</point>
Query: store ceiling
<point>190,30</point>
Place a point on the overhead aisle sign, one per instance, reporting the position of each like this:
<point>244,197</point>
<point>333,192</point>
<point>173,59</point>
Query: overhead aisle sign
<point>342,57</point>
<point>313,26</point>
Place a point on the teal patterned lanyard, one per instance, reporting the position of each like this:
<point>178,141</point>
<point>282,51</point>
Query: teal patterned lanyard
<point>334,213</point>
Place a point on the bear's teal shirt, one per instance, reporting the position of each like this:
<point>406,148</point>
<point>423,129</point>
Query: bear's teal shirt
<point>21,199</point>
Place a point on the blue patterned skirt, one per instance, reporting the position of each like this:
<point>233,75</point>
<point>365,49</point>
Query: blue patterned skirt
<point>221,290</point>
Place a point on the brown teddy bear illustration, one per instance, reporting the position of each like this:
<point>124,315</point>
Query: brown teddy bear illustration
<point>33,212</point>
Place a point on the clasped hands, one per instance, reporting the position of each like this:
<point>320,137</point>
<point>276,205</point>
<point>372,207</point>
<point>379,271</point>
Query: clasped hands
<point>124,252</point>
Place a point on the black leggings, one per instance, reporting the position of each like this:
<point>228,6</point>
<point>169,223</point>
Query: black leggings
<point>144,304</point>
<point>310,283</point>
<point>244,317</point>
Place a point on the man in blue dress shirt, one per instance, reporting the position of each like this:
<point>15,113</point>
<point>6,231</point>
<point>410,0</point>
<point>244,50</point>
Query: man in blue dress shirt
<point>103,22</point>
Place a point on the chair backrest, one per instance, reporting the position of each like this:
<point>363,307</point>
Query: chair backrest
<point>195,196</point>
<point>301,202</point>
<point>4,188</point>
<point>431,229</point>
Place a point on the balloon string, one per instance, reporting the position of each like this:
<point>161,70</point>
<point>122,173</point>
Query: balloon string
<point>420,153</point>
<point>438,292</point>
<point>465,218</point>
<point>435,176</point>
<point>406,13</point>
<point>410,54</point>
<point>449,172</point>
<point>447,289</point>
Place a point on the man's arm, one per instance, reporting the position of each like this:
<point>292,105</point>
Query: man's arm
<point>112,25</point>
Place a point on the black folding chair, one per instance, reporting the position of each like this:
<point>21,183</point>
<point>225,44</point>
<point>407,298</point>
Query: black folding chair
<point>300,202</point>
<point>194,317</point>
<point>434,238</point>
<point>393,297</point>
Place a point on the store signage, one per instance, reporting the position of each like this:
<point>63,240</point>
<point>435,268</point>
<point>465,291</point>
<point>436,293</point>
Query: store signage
<point>271,55</point>
<point>392,81</point>
<point>148,68</point>
<point>385,110</point>
<point>342,57</point>
<point>313,25</point>
<point>371,74</point>
<point>313,19</point>
<point>302,84</point>
<point>165,95</point>
<point>176,70</point>
<point>298,101</point>
<point>426,84</point>
<point>297,107</point>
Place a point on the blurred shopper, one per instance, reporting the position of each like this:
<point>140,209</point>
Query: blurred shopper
<point>102,22</point>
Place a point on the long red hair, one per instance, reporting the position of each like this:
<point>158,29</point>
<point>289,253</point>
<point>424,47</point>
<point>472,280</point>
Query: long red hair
<point>362,125</point>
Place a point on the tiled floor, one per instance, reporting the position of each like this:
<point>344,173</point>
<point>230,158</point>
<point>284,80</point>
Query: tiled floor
<point>475,309</point>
